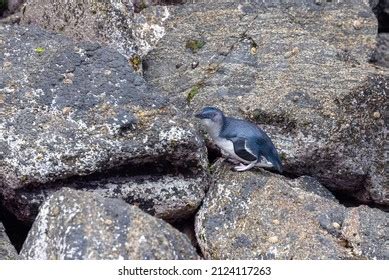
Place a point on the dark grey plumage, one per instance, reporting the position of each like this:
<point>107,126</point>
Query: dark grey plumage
<point>241,140</point>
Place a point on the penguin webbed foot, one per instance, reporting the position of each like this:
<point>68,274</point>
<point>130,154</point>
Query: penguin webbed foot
<point>241,167</point>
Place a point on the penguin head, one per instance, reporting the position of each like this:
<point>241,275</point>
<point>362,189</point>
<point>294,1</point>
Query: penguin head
<point>211,117</point>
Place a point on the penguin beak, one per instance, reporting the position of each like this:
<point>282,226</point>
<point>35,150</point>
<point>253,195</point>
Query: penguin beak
<point>199,115</point>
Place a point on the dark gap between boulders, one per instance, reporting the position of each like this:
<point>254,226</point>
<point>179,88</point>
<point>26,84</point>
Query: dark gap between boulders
<point>16,230</point>
<point>140,5</point>
<point>382,15</point>
<point>187,227</point>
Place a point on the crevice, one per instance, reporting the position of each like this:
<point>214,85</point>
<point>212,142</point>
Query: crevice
<point>187,227</point>
<point>17,231</point>
<point>140,5</point>
<point>382,14</point>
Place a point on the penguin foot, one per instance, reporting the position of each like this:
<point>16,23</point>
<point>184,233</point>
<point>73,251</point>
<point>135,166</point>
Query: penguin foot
<point>241,167</point>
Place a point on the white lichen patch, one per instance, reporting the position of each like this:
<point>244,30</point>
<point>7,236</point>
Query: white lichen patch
<point>173,134</point>
<point>146,33</point>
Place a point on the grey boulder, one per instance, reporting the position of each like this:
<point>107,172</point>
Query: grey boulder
<point>298,69</point>
<point>260,215</point>
<point>112,23</point>
<point>80,225</point>
<point>73,110</point>
<point>7,250</point>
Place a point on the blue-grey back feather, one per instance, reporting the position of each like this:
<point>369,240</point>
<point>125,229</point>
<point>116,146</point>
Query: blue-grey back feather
<point>257,140</point>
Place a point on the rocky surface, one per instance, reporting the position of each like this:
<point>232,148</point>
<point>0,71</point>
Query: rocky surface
<point>167,197</point>
<point>259,215</point>
<point>301,71</point>
<point>381,54</point>
<point>113,23</point>
<point>83,135</point>
<point>80,225</point>
<point>7,250</point>
<point>72,110</point>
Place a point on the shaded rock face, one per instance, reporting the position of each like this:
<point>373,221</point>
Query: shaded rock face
<point>79,225</point>
<point>300,71</point>
<point>8,7</point>
<point>169,197</point>
<point>381,54</point>
<point>72,110</point>
<point>259,215</point>
<point>7,250</point>
<point>381,10</point>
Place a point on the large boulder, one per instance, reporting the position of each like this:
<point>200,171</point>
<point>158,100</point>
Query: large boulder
<point>297,68</point>
<point>78,109</point>
<point>112,23</point>
<point>260,215</point>
<point>7,250</point>
<point>80,225</point>
<point>169,197</point>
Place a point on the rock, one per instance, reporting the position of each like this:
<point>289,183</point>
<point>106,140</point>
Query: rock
<point>8,7</point>
<point>78,109</point>
<point>167,197</point>
<point>111,23</point>
<point>381,10</point>
<point>106,22</point>
<point>299,70</point>
<point>80,225</point>
<point>7,250</point>
<point>260,215</point>
<point>381,53</point>
<point>367,231</point>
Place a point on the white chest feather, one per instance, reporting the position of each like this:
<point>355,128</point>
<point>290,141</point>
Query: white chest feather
<point>228,147</point>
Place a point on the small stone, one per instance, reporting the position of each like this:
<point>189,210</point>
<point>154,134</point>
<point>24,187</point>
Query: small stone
<point>357,24</point>
<point>67,81</point>
<point>253,50</point>
<point>376,115</point>
<point>7,64</point>
<point>276,222</point>
<point>195,64</point>
<point>107,72</point>
<point>291,53</point>
<point>336,225</point>
<point>66,110</point>
<point>55,211</point>
<point>108,222</point>
<point>273,239</point>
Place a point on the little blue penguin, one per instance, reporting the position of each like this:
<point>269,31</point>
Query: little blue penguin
<point>241,140</point>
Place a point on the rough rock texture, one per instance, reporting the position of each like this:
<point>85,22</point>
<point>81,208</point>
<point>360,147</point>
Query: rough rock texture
<point>259,215</point>
<point>167,197</point>
<point>80,225</point>
<point>7,250</point>
<point>77,109</point>
<point>101,21</point>
<point>113,23</point>
<point>381,54</point>
<point>298,69</point>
